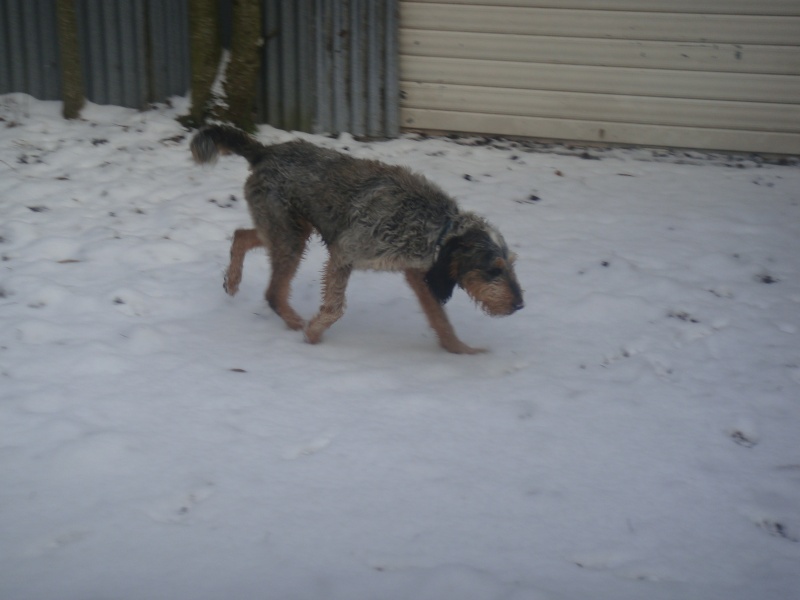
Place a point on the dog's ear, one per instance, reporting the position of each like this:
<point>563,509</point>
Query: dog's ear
<point>440,277</point>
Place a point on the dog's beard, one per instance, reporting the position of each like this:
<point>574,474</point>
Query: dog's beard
<point>496,298</point>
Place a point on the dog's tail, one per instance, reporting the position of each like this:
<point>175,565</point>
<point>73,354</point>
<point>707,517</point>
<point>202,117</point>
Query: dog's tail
<point>214,140</point>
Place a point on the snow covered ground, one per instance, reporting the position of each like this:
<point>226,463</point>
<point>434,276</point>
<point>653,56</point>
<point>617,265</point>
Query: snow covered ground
<point>633,433</point>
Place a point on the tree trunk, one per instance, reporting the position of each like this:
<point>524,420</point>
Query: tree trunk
<point>70,58</point>
<point>205,53</point>
<point>242,74</point>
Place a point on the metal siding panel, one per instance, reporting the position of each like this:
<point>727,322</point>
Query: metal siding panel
<point>154,41</point>
<point>143,52</point>
<point>31,43</point>
<point>731,7</point>
<point>5,51</point>
<point>172,30</point>
<point>357,72</point>
<point>183,49</point>
<point>157,15</point>
<point>339,65</point>
<point>92,56</point>
<point>163,50</point>
<point>18,66</point>
<point>286,90</point>
<point>289,65</point>
<point>391,75</point>
<point>305,56</point>
<point>356,80</point>
<point>122,40</point>
<point>127,43</point>
<point>330,66</point>
<point>28,48</point>
<point>111,51</point>
<point>100,91</point>
<point>694,56</point>
<point>605,107</point>
<point>132,42</point>
<point>324,112</point>
<point>602,132</point>
<point>28,43</point>
<point>179,68</point>
<point>374,33</point>
<point>170,38</point>
<point>692,91</point>
<point>319,72</point>
<point>271,106</point>
<point>746,87</point>
<point>50,53</point>
<point>374,20</point>
<point>731,29</point>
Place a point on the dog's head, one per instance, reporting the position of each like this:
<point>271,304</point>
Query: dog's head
<point>478,261</point>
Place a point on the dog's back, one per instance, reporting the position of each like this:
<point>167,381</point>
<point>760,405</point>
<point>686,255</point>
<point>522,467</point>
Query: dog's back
<point>376,214</point>
<point>370,209</point>
<point>371,216</point>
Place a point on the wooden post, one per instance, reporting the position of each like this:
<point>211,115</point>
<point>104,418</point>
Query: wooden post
<point>205,56</point>
<point>242,75</point>
<point>70,58</point>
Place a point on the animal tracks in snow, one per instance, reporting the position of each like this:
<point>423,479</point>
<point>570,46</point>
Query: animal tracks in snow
<point>624,565</point>
<point>56,542</point>
<point>635,422</point>
<point>181,506</point>
<point>309,447</point>
<point>778,529</point>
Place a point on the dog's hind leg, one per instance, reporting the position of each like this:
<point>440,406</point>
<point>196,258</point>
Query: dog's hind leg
<point>335,280</point>
<point>285,255</point>
<point>437,318</point>
<point>244,240</point>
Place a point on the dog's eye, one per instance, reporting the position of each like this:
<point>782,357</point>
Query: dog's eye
<point>494,272</point>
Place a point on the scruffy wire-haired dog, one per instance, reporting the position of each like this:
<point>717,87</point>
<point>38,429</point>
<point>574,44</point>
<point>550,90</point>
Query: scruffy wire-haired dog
<point>370,216</point>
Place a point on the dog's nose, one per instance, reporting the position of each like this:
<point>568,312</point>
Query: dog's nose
<point>519,305</point>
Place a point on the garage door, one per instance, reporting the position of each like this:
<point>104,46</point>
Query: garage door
<point>714,74</point>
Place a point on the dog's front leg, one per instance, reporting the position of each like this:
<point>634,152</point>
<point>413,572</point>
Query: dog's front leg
<point>334,284</point>
<point>437,318</point>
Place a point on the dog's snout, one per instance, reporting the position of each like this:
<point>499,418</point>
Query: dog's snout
<point>519,305</point>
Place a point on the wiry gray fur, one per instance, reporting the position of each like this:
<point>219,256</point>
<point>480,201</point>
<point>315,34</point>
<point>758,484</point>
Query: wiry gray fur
<point>369,214</point>
<point>377,216</point>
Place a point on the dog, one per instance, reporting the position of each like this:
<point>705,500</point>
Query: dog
<point>370,215</point>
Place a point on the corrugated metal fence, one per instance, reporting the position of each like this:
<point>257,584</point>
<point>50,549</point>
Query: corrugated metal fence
<point>28,48</point>
<point>132,51</point>
<point>331,65</point>
<point>327,65</point>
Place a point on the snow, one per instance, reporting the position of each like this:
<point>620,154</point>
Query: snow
<point>632,433</point>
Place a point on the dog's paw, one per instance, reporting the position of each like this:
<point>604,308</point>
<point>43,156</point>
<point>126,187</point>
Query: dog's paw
<point>471,350</point>
<point>459,347</point>
<point>230,285</point>
<point>312,335</point>
<point>230,289</point>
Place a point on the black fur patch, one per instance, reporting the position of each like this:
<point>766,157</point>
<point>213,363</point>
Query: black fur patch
<point>439,278</point>
<point>473,250</point>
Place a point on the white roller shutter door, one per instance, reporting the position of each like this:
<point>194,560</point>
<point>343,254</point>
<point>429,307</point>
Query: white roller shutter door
<point>714,74</point>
